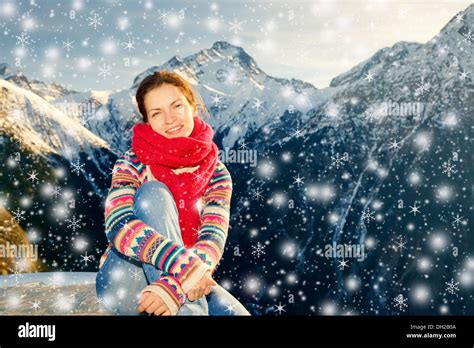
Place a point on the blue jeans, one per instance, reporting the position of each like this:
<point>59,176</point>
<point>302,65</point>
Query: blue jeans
<point>121,278</point>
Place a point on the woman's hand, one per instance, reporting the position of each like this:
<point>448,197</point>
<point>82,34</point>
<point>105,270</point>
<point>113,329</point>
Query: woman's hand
<point>203,287</point>
<point>152,304</point>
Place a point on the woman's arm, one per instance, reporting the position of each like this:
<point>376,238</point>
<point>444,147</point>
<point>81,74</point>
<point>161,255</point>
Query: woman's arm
<point>215,218</point>
<point>132,237</point>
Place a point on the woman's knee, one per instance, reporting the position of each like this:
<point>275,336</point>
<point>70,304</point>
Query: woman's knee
<point>155,206</point>
<point>154,196</point>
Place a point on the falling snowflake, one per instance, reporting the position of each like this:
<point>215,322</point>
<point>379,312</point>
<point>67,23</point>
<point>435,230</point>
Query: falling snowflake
<point>100,300</point>
<point>400,302</point>
<point>415,209</point>
<point>112,171</point>
<point>129,45</point>
<point>230,308</point>
<point>198,176</point>
<point>257,104</point>
<point>463,75</point>
<point>258,194</point>
<point>104,71</point>
<point>258,250</point>
<point>18,215</point>
<point>297,133</point>
<point>400,244</point>
<point>449,168</point>
<point>35,305</point>
<point>33,176</point>
<point>280,308</point>
<point>243,144</point>
<point>86,258</point>
<point>337,160</point>
<point>163,15</point>
<point>394,145</point>
<point>216,100</point>
<point>94,20</point>
<point>235,26</point>
<point>468,37</point>
<point>343,264</point>
<point>68,45</point>
<point>368,215</point>
<point>137,274</point>
<point>74,223</point>
<point>452,287</point>
<point>298,181</point>
<point>369,77</point>
<point>23,40</point>
<point>16,273</point>
<point>84,120</point>
<point>77,167</point>
<point>458,220</point>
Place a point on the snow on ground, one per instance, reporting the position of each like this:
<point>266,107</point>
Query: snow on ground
<point>49,293</point>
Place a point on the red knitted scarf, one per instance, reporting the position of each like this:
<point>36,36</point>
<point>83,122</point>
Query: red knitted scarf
<point>163,154</point>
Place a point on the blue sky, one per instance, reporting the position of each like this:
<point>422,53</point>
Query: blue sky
<point>105,44</point>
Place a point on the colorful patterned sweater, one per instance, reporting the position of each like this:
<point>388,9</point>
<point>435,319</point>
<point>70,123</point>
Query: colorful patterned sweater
<point>182,267</point>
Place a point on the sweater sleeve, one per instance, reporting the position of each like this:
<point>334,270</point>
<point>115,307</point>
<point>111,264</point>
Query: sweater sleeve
<point>170,291</point>
<point>133,238</point>
<point>215,218</point>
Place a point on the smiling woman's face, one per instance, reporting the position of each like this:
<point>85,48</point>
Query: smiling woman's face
<point>169,112</point>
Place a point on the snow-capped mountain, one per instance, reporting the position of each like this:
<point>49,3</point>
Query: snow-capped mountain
<point>396,134</point>
<point>48,92</point>
<point>242,99</point>
<point>240,96</point>
<point>46,130</point>
<point>113,116</point>
<point>42,128</point>
<point>450,49</point>
<point>53,167</point>
<point>434,77</point>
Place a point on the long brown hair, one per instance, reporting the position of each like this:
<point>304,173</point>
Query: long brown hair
<point>159,78</point>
